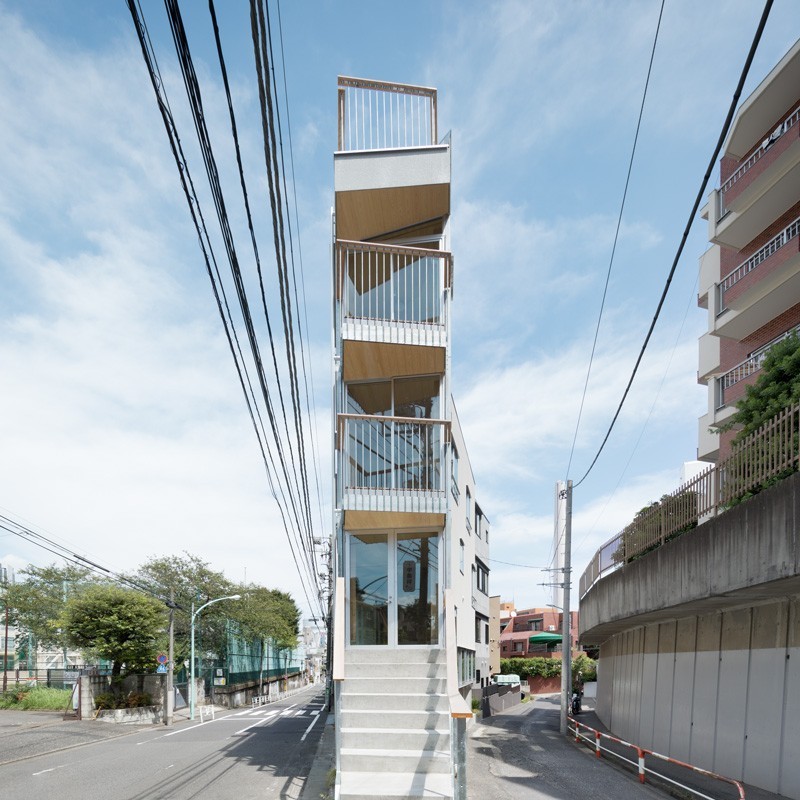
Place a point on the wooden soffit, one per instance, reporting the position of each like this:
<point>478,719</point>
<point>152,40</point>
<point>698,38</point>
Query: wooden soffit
<point>377,360</point>
<point>368,213</point>
<point>385,520</point>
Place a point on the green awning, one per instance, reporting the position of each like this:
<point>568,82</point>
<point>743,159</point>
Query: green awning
<point>545,638</point>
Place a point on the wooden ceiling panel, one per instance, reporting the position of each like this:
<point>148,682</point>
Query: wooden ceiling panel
<point>385,520</point>
<point>374,360</point>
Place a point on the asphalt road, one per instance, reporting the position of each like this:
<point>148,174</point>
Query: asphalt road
<point>242,754</point>
<point>520,755</point>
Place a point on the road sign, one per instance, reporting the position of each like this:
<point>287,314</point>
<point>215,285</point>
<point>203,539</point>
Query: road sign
<point>161,668</point>
<point>162,658</point>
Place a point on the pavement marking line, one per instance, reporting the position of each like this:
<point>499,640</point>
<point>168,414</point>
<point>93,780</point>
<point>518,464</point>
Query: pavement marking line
<point>256,723</point>
<point>52,769</point>
<point>308,729</point>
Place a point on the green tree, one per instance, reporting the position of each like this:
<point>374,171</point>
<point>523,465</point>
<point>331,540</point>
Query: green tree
<point>37,602</point>
<point>121,625</point>
<point>777,387</point>
<point>269,616</point>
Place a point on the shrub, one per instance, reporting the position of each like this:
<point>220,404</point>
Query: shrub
<point>105,700</point>
<point>35,698</point>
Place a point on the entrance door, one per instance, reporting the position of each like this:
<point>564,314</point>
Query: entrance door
<point>393,588</point>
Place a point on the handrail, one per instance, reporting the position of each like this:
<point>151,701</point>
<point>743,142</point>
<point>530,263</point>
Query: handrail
<point>459,707</point>
<point>404,250</point>
<point>641,752</point>
<point>338,631</point>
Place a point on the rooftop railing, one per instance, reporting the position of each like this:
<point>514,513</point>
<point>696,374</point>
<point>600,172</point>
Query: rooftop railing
<point>375,115</point>
<point>771,451</point>
<point>750,162</point>
<point>762,254</point>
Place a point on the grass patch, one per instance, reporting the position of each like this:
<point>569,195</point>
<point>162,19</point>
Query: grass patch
<point>35,698</point>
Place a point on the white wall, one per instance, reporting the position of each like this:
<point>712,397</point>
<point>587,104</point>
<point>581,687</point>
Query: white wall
<point>721,691</point>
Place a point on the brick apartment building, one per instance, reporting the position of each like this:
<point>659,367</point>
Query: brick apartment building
<point>517,628</point>
<point>750,276</point>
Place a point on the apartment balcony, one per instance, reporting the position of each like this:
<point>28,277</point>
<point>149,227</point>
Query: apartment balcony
<point>391,173</point>
<point>709,274</point>
<point>392,295</point>
<point>762,188</point>
<point>761,288</point>
<point>392,464</point>
<point>707,439</point>
<point>708,362</point>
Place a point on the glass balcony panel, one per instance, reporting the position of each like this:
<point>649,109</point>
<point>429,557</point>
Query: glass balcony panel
<point>417,397</point>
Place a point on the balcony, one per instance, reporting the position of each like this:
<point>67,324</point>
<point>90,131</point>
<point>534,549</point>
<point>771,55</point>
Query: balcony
<point>393,295</point>
<point>762,188</point>
<point>709,356</point>
<point>709,274</point>
<point>390,173</point>
<point>392,464</point>
<point>761,288</point>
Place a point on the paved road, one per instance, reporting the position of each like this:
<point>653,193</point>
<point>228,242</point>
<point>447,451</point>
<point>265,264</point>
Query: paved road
<point>242,755</point>
<point>520,755</point>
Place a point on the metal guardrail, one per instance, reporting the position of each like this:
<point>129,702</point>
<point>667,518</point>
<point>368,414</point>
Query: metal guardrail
<point>377,115</point>
<point>753,159</point>
<point>768,452</point>
<point>383,454</point>
<point>395,285</point>
<point>641,753</point>
<point>762,254</point>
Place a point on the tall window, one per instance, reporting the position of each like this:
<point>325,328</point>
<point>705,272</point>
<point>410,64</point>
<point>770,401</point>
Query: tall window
<point>469,509</point>
<point>461,555</point>
<point>454,474</point>
<point>482,577</point>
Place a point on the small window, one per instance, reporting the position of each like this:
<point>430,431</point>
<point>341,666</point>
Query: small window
<point>469,510</point>
<point>461,556</point>
<point>486,634</point>
<point>454,474</point>
<point>517,647</point>
<point>478,625</point>
<point>481,577</point>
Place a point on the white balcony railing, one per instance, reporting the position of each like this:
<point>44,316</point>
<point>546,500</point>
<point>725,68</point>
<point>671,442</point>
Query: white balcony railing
<point>392,463</point>
<point>376,115</point>
<point>394,294</point>
<point>761,255</point>
<point>748,164</point>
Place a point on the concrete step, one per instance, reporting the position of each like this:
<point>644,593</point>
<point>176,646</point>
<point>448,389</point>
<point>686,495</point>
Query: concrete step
<point>400,669</point>
<point>372,738</point>
<point>394,655</point>
<point>385,719</point>
<point>356,759</point>
<point>371,701</point>
<point>377,685</point>
<point>388,786</point>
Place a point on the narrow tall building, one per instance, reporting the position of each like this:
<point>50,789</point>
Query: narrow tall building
<point>750,276</point>
<point>411,603</point>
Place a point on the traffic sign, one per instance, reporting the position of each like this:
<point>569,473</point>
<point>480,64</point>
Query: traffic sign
<point>162,658</point>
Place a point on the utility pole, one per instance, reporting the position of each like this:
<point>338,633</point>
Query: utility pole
<point>4,580</point>
<point>170,699</point>
<point>564,506</point>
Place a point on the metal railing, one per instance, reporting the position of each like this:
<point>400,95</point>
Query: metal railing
<point>750,162</point>
<point>460,709</point>
<point>641,752</point>
<point>769,452</point>
<point>396,286</point>
<point>748,367</point>
<point>762,254</point>
<point>375,115</point>
<point>396,454</point>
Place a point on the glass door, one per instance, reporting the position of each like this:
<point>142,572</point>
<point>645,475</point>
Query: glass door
<point>393,588</point>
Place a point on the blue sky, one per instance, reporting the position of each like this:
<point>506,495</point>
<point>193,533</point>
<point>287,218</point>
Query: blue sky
<point>122,426</point>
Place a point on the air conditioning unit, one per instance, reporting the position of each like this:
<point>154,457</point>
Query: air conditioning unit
<point>551,627</point>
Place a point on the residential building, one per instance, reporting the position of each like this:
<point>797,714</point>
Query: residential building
<point>750,276</point>
<point>410,555</point>
<point>518,638</point>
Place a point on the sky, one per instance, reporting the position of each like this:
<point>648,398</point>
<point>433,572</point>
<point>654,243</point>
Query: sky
<point>123,431</point>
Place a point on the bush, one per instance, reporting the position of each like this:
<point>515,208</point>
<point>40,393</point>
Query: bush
<point>586,666</point>
<point>35,698</point>
<point>548,667</point>
<point>109,700</point>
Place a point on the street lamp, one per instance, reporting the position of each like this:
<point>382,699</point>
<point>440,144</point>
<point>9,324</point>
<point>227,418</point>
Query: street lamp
<point>192,686</point>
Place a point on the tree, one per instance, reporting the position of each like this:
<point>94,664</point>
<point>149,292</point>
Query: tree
<point>37,602</point>
<point>268,615</point>
<point>121,625</point>
<point>777,387</point>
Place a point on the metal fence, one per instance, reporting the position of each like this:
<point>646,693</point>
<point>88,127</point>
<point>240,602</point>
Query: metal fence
<point>378,115</point>
<point>768,454</point>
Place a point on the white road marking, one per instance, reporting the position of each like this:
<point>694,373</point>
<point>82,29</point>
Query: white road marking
<point>308,729</point>
<point>52,769</point>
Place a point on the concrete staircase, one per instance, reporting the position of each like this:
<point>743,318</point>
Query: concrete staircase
<point>394,725</point>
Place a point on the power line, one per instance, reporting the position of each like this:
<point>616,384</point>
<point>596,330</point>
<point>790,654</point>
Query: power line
<point>692,213</point>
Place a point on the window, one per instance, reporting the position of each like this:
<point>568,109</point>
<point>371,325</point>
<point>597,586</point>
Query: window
<point>478,627</point>
<point>518,647</point>
<point>486,634</point>
<point>454,475</point>
<point>461,555</point>
<point>478,522</point>
<point>536,625</point>
<point>481,577</point>
<point>469,510</point>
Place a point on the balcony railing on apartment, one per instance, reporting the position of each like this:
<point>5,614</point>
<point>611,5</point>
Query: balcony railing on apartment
<point>769,452</point>
<point>394,294</point>
<point>392,463</point>
<point>747,367</point>
<point>762,254</point>
<point>376,115</point>
<point>750,162</point>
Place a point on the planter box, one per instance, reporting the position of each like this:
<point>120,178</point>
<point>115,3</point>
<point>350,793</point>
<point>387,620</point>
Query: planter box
<point>146,715</point>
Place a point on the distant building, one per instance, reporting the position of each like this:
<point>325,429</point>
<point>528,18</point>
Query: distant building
<point>519,626</point>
